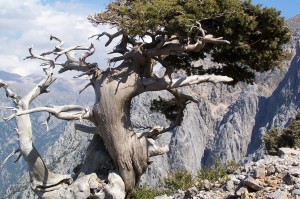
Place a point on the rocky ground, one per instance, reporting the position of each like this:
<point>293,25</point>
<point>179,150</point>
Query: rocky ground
<point>273,177</point>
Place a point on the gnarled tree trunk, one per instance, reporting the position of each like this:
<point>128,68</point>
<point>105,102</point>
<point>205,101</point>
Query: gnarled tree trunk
<point>111,114</point>
<point>114,90</point>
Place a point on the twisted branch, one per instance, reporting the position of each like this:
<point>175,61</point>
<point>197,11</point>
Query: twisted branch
<point>9,156</point>
<point>9,92</point>
<point>163,83</point>
<point>68,112</point>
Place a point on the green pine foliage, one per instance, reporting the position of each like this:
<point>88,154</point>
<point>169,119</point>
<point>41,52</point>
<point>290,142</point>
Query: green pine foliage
<point>256,34</point>
<point>167,107</point>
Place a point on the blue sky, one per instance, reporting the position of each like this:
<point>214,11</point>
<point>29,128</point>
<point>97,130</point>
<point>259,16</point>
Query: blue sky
<point>24,23</point>
<point>288,8</point>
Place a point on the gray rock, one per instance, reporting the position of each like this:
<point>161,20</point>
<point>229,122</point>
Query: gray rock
<point>179,194</point>
<point>241,177</point>
<point>295,163</point>
<point>260,172</point>
<point>229,186</point>
<point>242,192</point>
<point>297,186</point>
<point>287,152</point>
<point>252,183</point>
<point>163,197</point>
<point>296,192</point>
<point>191,192</point>
<point>270,169</point>
<point>289,179</point>
<point>207,185</point>
<point>278,195</point>
<point>295,171</point>
<point>279,168</point>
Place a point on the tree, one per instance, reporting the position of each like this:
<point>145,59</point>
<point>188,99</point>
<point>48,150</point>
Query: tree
<point>177,35</point>
<point>287,137</point>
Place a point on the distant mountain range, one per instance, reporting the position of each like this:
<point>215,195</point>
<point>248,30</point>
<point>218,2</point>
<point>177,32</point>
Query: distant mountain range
<point>63,91</point>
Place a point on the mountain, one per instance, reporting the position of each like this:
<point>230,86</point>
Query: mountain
<point>63,91</point>
<point>227,123</point>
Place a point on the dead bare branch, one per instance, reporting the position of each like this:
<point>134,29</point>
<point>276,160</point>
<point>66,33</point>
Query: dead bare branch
<point>58,47</point>
<point>85,87</point>
<point>34,56</point>
<point>151,84</point>
<point>86,129</point>
<point>9,92</point>
<point>9,156</point>
<point>67,112</point>
<point>111,37</point>
<point>41,87</point>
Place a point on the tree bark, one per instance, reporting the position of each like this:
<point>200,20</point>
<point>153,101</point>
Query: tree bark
<point>111,114</point>
<point>114,90</point>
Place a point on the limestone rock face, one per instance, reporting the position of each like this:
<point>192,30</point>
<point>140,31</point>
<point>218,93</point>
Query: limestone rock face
<point>228,122</point>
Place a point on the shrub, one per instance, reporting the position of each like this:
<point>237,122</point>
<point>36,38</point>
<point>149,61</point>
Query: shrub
<point>216,173</point>
<point>145,192</point>
<point>167,107</point>
<point>288,137</point>
<point>178,180</point>
<point>272,141</point>
<point>183,180</point>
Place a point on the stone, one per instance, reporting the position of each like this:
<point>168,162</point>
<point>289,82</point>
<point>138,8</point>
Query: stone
<point>179,194</point>
<point>297,186</point>
<point>217,185</point>
<point>252,183</point>
<point>163,197</point>
<point>191,192</point>
<point>278,195</point>
<point>236,181</point>
<point>260,172</point>
<point>288,179</point>
<point>242,193</point>
<point>271,182</point>
<point>282,152</point>
<point>296,192</point>
<point>229,186</point>
<point>295,171</point>
<point>241,177</point>
<point>116,187</point>
<point>237,172</point>
<point>206,185</point>
<point>270,169</point>
<point>279,168</point>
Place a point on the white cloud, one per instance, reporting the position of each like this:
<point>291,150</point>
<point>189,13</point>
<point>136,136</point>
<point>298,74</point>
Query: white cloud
<point>9,63</point>
<point>31,22</point>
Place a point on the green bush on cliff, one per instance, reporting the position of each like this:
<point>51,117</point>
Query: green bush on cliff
<point>288,137</point>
